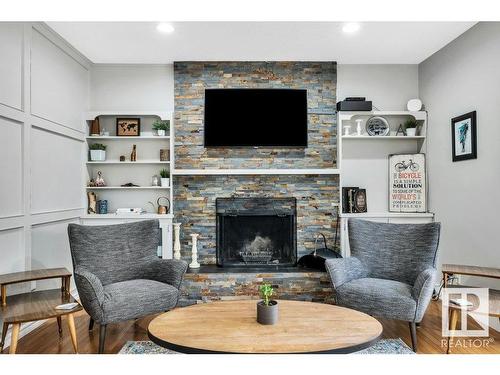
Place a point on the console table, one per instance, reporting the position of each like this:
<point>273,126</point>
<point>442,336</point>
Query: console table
<point>38,305</point>
<point>494,295</point>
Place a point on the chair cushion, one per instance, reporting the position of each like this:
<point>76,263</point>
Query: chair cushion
<point>378,297</point>
<point>136,298</point>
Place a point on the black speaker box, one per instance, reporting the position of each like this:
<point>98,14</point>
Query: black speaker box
<point>354,105</point>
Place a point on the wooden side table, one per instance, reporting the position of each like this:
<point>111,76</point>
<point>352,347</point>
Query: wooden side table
<point>453,310</point>
<point>38,305</point>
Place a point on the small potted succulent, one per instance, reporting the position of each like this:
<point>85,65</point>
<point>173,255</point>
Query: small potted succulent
<point>267,309</point>
<point>161,127</point>
<point>97,152</point>
<point>411,127</point>
<point>165,180</point>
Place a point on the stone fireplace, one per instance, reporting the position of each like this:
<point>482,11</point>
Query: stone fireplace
<point>256,232</point>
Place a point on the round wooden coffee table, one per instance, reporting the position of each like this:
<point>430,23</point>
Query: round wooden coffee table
<point>231,327</point>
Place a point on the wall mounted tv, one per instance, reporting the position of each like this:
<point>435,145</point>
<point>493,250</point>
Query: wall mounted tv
<point>255,118</point>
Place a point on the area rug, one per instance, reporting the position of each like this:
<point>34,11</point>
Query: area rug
<point>385,346</point>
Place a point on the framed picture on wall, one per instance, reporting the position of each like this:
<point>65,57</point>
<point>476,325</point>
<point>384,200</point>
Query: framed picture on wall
<point>128,127</point>
<point>463,137</point>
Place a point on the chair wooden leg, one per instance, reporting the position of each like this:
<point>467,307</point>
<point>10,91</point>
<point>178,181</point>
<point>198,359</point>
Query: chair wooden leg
<point>91,324</point>
<point>102,337</point>
<point>72,331</point>
<point>14,337</point>
<point>4,333</point>
<point>59,326</point>
<point>413,332</point>
<point>453,326</point>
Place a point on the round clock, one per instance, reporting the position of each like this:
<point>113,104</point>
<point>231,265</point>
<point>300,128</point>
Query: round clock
<point>377,126</point>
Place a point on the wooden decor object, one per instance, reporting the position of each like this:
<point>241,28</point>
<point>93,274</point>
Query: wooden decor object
<point>92,202</point>
<point>95,128</point>
<point>133,155</point>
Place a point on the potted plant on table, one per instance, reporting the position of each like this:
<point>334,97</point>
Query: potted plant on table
<point>97,152</point>
<point>161,127</point>
<point>267,309</point>
<point>411,127</point>
<point>165,180</point>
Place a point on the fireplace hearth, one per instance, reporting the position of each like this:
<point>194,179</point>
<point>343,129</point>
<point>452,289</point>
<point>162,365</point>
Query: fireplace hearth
<point>256,232</point>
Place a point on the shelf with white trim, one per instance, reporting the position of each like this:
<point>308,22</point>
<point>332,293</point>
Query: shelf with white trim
<point>127,138</point>
<point>255,172</point>
<point>127,187</point>
<point>127,216</point>
<point>163,115</point>
<point>383,138</point>
<point>388,214</point>
<point>129,162</point>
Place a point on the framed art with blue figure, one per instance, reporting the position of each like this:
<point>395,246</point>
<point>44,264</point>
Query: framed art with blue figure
<point>464,137</point>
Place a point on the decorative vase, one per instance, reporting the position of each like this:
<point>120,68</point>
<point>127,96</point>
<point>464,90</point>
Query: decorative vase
<point>194,251</point>
<point>177,240</point>
<point>165,182</point>
<point>359,129</point>
<point>411,132</point>
<point>267,315</point>
<point>103,207</point>
<point>347,130</point>
<point>161,132</point>
<point>97,155</point>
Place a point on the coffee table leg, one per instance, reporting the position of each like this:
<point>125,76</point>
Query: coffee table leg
<point>453,326</point>
<point>59,325</point>
<point>4,333</point>
<point>72,331</point>
<point>14,337</point>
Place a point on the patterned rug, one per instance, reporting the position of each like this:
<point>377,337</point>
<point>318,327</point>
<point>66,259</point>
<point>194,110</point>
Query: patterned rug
<point>385,346</point>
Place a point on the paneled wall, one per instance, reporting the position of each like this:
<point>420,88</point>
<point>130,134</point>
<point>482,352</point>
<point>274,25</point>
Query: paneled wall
<point>44,86</point>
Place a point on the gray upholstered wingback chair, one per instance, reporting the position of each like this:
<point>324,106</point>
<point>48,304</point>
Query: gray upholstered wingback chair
<point>119,275</point>
<point>391,270</point>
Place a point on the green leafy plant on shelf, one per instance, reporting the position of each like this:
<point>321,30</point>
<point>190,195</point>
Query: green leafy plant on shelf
<point>164,173</point>
<point>266,291</point>
<point>97,146</point>
<point>411,123</point>
<point>161,125</point>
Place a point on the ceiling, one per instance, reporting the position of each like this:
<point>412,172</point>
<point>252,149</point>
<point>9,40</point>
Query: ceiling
<point>374,43</point>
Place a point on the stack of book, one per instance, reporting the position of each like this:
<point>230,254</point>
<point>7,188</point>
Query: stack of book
<point>354,200</point>
<point>138,211</point>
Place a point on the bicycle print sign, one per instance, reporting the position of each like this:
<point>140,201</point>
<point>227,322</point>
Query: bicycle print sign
<point>407,185</point>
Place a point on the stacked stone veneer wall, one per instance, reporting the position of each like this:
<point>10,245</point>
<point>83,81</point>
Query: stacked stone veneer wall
<point>195,195</point>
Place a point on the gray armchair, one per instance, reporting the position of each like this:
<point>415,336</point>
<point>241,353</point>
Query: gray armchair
<point>391,271</point>
<point>118,274</point>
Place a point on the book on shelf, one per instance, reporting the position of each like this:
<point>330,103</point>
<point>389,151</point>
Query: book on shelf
<point>354,200</point>
<point>137,211</point>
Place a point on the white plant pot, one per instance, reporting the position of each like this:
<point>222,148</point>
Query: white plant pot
<point>411,132</point>
<point>97,155</point>
<point>165,182</point>
<point>161,133</point>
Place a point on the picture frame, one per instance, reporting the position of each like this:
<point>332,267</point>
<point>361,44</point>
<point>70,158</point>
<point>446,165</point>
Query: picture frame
<point>407,183</point>
<point>128,127</point>
<point>464,137</point>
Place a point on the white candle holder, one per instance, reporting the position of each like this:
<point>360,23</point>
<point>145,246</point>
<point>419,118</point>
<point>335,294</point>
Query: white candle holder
<point>194,251</point>
<point>177,241</point>
<point>359,129</point>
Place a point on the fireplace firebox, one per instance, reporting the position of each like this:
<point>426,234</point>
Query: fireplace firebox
<point>256,232</point>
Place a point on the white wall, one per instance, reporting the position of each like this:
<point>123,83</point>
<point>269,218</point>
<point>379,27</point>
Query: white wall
<point>43,94</point>
<point>462,77</point>
<point>132,87</point>
<point>389,87</point>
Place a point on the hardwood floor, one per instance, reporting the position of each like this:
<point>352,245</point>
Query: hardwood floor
<point>45,339</point>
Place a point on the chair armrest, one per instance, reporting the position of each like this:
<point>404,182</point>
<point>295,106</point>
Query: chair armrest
<point>90,292</point>
<point>343,270</point>
<point>169,271</point>
<point>422,291</point>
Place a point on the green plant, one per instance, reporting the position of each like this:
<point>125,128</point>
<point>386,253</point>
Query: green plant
<point>161,125</point>
<point>163,173</point>
<point>266,291</point>
<point>411,123</point>
<point>97,146</point>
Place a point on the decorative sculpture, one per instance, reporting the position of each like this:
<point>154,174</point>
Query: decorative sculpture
<point>194,251</point>
<point>99,181</point>
<point>92,202</point>
<point>133,155</point>
<point>177,240</point>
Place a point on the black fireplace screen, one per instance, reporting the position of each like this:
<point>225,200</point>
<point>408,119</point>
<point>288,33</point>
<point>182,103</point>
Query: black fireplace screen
<point>256,231</point>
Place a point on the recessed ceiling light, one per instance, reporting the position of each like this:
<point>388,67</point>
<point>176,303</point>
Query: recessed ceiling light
<point>165,28</point>
<point>351,27</point>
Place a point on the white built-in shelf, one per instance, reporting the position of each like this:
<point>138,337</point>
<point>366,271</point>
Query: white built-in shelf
<point>420,115</point>
<point>129,162</point>
<point>387,214</point>
<point>128,138</point>
<point>127,216</point>
<point>89,116</point>
<point>126,187</point>
<point>383,138</point>
<point>255,172</point>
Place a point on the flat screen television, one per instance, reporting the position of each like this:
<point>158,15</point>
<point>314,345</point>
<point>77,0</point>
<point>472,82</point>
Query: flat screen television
<point>255,118</point>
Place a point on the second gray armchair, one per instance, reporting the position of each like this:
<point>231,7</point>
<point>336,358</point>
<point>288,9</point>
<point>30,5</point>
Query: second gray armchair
<point>391,271</point>
<point>119,275</point>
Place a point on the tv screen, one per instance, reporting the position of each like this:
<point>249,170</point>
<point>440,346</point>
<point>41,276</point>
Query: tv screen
<point>255,117</point>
